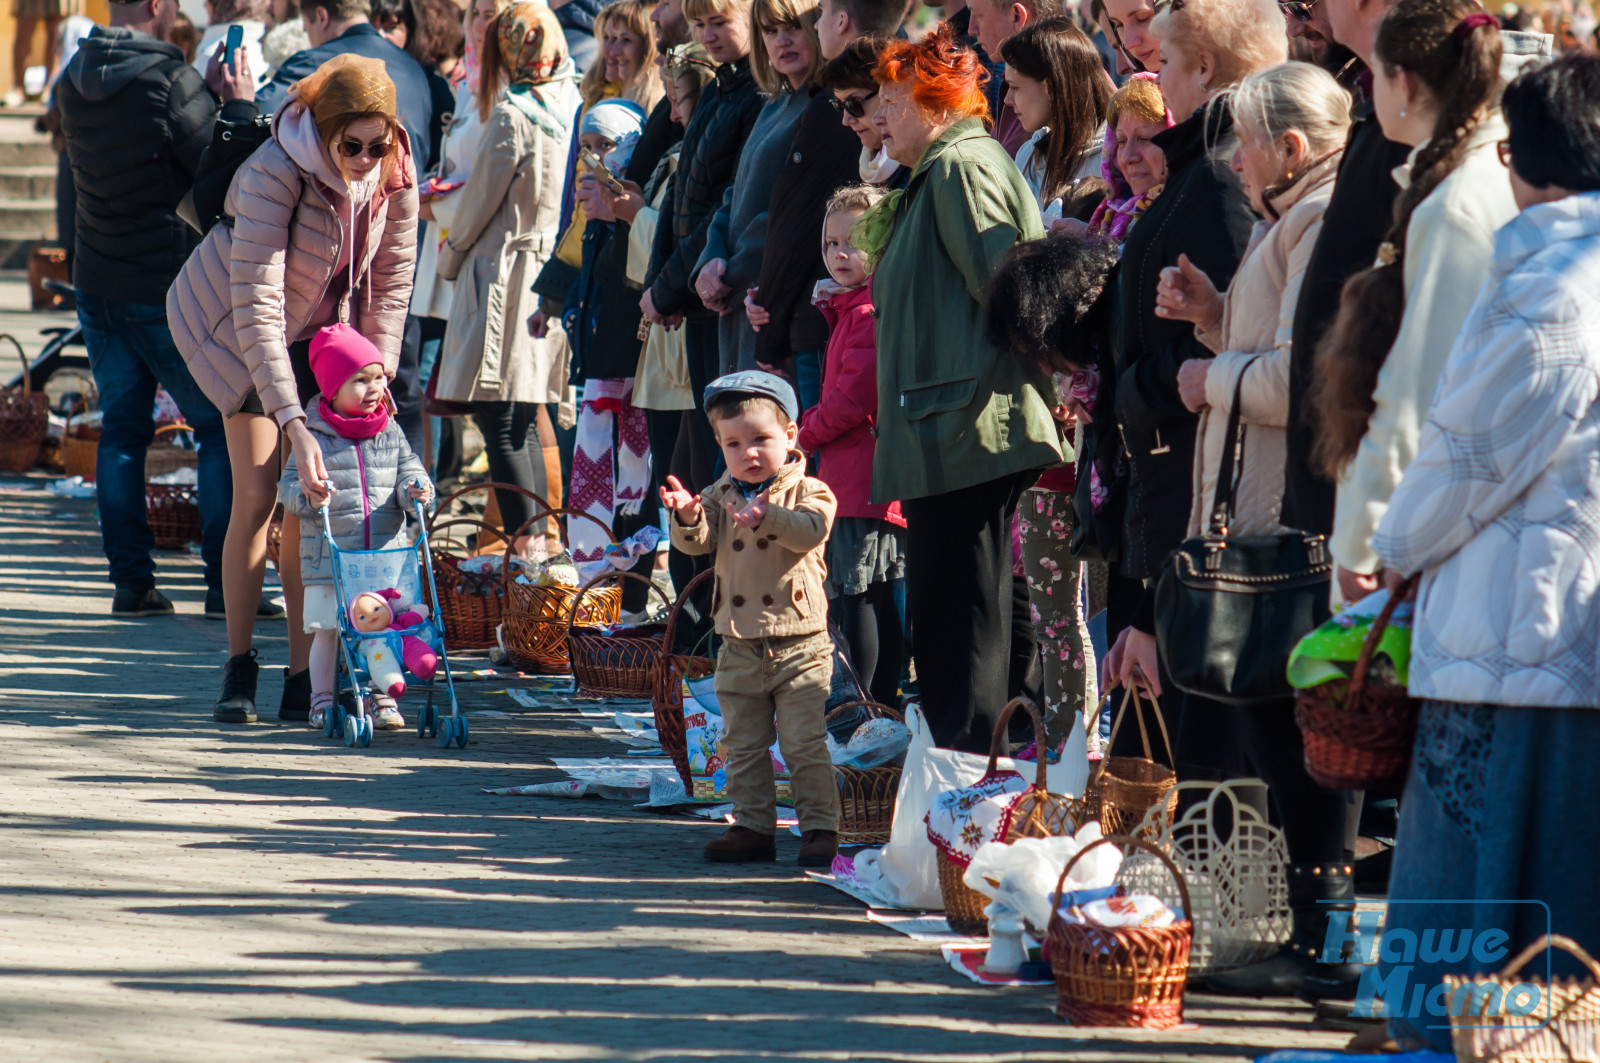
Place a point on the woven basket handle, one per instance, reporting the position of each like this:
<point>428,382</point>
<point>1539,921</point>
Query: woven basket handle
<point>1369,646</point>
<point>561,531</point>
<point>677,606</point>
<point>1131,691</point>
<point>618,574</point>
<point>470,522</point>
<point>1121,839</point>
<point>175,426</point>
<point>444,502</point>
<point>22,356</point>
<point>1545,941</point>
<point>1039,740</point>
<point>875,710</point>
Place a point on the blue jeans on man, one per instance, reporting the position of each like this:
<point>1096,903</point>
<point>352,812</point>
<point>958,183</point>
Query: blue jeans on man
<point>131,354</point>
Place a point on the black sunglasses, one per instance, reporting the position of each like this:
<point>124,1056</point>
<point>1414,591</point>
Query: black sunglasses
<point>377,149</point>
<point>1299,10</point>
<point>854,106</point>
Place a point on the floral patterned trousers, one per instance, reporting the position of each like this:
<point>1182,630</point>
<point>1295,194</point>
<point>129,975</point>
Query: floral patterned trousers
<point>1044,520</point>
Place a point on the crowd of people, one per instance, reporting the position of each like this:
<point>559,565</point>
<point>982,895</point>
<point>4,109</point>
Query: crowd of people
<point>948,331</point>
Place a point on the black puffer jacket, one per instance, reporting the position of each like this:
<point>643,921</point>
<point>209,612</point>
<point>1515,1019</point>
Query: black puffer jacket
<point>717,130</point>
<point>1202,212</point>
<point>136,118</point>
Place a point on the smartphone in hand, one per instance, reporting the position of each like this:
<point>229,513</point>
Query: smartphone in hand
<point>234,41</point>
<point>592,162</point>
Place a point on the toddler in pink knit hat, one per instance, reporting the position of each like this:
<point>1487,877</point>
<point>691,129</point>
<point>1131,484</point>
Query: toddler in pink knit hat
<point>373,478</point>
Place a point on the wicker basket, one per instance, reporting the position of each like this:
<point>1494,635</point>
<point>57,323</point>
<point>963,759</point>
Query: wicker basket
<point>1120,976</point>
<point>612,666</point>
<point>1036,813</point>
<point>162,459</point>
<point>1563,1027</point>
<point>963,905</point>
<point>533,626</point>
<point>173,509</point>
<point>866,795</point>
<point>441,512</point>
<point>1128,787</point>
<point>80,449</point>
<point>666,699</point>
<point>470,607</point>
<point>1360,736</point>
<point>174,513</point>
<point>24,420</point>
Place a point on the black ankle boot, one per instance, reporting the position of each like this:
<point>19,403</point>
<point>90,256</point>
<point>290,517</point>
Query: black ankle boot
<point>238,701</point>
<point>296,704</point>
<point>1296,969</point>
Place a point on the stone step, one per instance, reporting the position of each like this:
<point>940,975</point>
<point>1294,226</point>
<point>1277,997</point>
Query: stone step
<point>32,151</point>
<point>27,182</point>
<point>27,219</point>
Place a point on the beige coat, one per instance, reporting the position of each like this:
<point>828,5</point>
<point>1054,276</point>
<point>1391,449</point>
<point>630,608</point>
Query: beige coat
<point>250,289</point>
<point>503,233</point>
<point>1253,341</point>
<point>771,580</point>
<point>1449,249</point>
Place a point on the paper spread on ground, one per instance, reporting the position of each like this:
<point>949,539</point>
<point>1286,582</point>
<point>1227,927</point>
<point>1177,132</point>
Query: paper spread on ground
<point>923,927</point>
<point>968,959</point>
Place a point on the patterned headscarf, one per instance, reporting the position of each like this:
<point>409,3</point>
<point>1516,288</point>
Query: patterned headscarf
<point>531,43</point>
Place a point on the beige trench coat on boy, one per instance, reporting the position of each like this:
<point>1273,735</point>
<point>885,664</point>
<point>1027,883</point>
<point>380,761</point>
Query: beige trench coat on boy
<point>503,234</point>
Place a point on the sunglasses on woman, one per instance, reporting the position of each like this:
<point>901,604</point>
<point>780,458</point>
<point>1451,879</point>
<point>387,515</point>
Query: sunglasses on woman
<point>854,106</point>
<point>352,148</point>
<point>1299,10</point>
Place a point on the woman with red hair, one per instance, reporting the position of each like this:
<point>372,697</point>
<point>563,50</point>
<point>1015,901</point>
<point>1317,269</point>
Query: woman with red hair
<point>960,427</point>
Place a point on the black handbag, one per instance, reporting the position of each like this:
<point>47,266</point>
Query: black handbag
<point>1230,608</point>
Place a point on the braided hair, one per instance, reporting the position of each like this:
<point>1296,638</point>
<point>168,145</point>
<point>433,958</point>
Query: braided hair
<point>1454,50</point>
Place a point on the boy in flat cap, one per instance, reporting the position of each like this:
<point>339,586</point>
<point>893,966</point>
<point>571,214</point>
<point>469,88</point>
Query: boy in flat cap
<point>767,522</point>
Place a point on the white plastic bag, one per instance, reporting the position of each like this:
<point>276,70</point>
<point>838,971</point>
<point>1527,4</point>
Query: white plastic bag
<point>905,872</point>
<point>1028,868</point>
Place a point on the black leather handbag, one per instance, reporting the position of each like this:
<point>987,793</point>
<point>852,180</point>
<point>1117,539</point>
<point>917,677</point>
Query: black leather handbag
<point>1230,608</point>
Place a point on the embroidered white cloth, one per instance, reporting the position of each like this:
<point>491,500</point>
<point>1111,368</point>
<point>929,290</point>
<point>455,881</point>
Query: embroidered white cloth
<point>962,820</point>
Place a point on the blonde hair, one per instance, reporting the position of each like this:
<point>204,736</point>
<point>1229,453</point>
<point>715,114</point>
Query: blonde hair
<point>644,87</point>
<point>854,198</point>
<point>1139,97</point>
<point>703,9</point>
<point>1293,96</point>
<point>802,14</point>
<point>1240,36</point>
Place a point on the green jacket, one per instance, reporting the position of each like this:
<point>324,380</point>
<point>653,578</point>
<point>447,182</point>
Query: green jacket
<point>952,411</point>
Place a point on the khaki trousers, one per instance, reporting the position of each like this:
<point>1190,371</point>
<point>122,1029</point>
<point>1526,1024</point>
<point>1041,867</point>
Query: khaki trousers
<point>786,678</point>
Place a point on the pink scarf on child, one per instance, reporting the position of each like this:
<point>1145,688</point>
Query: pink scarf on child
<point>364,426</point>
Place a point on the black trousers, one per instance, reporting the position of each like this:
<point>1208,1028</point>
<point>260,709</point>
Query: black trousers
<point>703,348</point>
<point>1313,818</point>
<point>959,600</point>
<point>870,624</point>
<point>407,386</point>
<point>511,442</point>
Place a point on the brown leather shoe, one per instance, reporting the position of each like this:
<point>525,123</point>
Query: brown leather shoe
<point>818,848</point>
<point>741,845</point>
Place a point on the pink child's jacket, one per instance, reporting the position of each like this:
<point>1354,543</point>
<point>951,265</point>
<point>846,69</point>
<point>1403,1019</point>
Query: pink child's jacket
<point>839,428</point>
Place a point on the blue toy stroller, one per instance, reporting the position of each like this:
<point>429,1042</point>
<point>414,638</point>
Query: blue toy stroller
<point>354,573</point>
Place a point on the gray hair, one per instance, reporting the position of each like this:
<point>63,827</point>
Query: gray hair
<point>1293,96</point>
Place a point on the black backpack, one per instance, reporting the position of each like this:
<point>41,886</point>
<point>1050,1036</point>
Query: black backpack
<point>231,144</point>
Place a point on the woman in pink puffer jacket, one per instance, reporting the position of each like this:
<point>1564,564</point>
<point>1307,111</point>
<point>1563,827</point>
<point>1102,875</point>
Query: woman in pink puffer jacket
<point>321,227</point>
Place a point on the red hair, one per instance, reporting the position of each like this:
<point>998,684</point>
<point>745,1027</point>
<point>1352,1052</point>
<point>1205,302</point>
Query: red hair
<point>944,74</point>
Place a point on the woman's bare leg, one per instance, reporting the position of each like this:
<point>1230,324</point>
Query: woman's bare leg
<point>22,48</point>
<point>253,455</point>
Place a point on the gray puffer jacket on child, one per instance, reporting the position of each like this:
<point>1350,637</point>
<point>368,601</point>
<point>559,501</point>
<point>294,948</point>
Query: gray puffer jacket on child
<point>369,502</point>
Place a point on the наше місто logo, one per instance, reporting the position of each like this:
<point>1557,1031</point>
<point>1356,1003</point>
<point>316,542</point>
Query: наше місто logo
<point>1389,957</point>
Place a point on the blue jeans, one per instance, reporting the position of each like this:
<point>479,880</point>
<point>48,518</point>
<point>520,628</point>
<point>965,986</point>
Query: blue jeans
<point>131,353</point>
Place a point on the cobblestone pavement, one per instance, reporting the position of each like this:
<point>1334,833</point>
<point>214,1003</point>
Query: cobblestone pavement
<point>173,891</point>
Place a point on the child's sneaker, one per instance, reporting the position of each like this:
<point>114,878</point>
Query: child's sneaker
<point>386,717</point>
<point>321,705</point>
